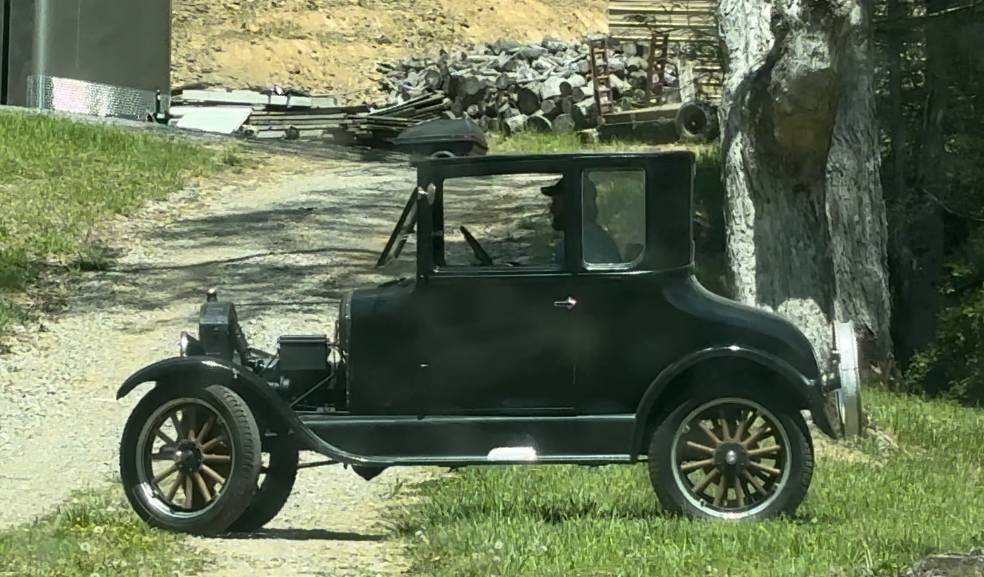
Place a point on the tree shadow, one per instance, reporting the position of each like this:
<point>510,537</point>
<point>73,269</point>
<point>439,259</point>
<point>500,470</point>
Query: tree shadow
<point>305,535</point>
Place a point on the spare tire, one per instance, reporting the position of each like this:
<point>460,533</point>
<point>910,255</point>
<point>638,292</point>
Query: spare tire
<point>696,121</point>
<point>849,407</point>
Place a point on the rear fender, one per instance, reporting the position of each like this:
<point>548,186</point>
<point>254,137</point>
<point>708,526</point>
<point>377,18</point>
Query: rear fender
<point>262,399</point>
<point>801,388</point>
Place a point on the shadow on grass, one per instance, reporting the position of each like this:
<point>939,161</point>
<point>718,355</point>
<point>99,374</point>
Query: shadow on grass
<point>305,535</point>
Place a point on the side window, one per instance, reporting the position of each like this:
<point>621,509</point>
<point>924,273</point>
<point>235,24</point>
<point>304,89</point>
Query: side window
<point>504,220</point>
<point>613,216</point>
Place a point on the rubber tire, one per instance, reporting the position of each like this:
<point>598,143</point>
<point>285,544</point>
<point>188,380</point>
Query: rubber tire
<point>709,130</point>
<point>673,501</point>
<point>240,485</point>
<point>272,494</point>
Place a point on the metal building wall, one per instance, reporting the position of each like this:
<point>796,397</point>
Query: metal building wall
<point>119,43</point>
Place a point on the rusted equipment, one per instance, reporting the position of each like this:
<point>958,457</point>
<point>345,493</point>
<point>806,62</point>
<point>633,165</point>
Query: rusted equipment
<point>601,73</point>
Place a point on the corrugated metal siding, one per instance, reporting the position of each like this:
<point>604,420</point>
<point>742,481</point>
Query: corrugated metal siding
<point>689,23</point>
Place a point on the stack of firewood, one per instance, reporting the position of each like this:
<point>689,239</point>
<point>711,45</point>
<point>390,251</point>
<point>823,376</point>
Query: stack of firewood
<point>511,87</point>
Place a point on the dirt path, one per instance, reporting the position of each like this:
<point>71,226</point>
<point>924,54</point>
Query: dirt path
<point>285,251</point>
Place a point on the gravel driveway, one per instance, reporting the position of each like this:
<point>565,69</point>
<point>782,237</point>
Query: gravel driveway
<point>284,250</point>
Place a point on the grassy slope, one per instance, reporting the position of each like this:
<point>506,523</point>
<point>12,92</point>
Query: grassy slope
<point>94,534</point>
<point>869,511</point>
<point>58,179</point>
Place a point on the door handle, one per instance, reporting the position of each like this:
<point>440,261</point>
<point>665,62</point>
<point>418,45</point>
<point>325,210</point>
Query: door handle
<point>569,303</point>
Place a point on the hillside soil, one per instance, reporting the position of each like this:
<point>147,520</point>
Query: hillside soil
<point>333,46</point>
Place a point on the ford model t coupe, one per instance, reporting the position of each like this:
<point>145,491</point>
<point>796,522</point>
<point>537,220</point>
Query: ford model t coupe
<point>605,350</point>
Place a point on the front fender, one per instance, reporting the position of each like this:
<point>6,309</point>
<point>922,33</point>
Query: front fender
<point>256,392</point>
<point>799,385</point>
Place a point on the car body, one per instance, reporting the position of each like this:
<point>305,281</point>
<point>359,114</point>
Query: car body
<point>569,363</point>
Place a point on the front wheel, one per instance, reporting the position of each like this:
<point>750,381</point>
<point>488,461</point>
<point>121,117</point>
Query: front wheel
<point>275,484</point>
<point>733,457</point>
<point>190,458</point>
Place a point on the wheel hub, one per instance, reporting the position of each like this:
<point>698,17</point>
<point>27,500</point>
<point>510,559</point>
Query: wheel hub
<point>731,456</point>
<point>188,457</point>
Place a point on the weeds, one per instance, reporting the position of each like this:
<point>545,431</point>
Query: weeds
<point>94,533</point>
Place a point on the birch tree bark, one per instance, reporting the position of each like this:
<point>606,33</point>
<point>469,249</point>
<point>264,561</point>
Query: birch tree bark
<point>805,218</point>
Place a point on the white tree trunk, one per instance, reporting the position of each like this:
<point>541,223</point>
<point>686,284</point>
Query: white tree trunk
<point>805,216</point>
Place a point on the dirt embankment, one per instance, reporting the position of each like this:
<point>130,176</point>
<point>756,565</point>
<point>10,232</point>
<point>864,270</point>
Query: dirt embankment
<point>333,46</point>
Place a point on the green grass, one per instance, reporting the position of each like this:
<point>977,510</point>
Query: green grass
<point>59,179</point>
<point>531,143</point>
<point>872,514</point>
<point>94,533</point>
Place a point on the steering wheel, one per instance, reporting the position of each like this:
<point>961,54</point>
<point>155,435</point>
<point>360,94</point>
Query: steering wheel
<point>482,256</point>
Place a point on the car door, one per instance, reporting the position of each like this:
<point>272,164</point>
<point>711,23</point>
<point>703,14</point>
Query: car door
<point>495,343</point>
<point>619,302</point>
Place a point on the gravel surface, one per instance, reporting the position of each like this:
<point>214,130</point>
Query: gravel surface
<point>285,250</point>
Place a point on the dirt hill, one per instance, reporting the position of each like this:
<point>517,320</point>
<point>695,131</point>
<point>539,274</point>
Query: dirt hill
<point>332,46</point>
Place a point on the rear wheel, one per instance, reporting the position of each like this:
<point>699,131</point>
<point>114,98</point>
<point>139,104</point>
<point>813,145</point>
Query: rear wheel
<point>737,456</point>
<point>190,458</point>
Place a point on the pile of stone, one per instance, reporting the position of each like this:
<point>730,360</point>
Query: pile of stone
<point>511,87</point>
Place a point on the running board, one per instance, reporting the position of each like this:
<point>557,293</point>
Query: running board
<point>473,440</point>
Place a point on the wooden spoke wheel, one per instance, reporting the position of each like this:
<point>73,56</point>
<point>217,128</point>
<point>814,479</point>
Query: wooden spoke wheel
<point>190,458</point>
<point>732,457</point>
<point>277,475</point>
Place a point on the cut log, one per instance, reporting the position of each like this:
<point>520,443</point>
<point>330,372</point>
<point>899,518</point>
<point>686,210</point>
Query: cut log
<point>544,65</point>
<point>527,100</point>
<point>509,113</point>
<point>533,52</point>
<point>583,67</point>
<point>563,124</point>
<point>619,87</point>
<point>501,46</point>
<point>550,108</point>
<point>504,81</point>
<point>574,81</point>
<point>566,104</point>
<point>584,114</point>
<point>432,78</point>
<point>472,85</point>
<point>551,88</point>
<point>515,125</point>
<point>582,92</point>
<point>492,124</point>
<point>554,45</point>
<point>630,48</point>
<point>637,63</point>
<point>539,123</point>
<point>474,111</point>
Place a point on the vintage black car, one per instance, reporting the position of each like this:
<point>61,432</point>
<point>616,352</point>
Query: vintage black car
<point>607,350</point>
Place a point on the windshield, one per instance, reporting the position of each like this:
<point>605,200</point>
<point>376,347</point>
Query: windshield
<point>401,232</point>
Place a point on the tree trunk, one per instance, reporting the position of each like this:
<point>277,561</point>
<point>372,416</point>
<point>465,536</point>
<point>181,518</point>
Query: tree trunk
<point>805,216</point>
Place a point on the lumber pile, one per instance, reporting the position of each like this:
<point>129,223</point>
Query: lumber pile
<point>511,87</point>
<point>274,116</point>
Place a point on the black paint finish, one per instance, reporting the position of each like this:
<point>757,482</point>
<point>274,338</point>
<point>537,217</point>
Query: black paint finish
<point>572,362</point>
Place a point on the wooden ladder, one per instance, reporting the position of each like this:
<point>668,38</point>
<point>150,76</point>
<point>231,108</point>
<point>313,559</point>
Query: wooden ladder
<point>601,77</point>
